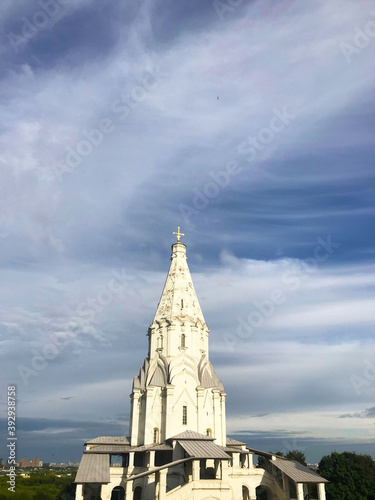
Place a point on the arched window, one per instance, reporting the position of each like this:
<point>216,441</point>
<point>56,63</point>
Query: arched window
<point>184,415</point>
<point>183,340</point>
<point>209,433</point>
<point>137,495</point>
<point>156,435</point>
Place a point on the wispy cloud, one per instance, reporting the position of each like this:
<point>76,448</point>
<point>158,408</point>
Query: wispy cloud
<point>62,236</point>
<point>369,413</point>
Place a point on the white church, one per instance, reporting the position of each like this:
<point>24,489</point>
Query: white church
<point>177,448</point>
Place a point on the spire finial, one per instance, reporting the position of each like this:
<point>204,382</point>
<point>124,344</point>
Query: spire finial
<point>178,234</point>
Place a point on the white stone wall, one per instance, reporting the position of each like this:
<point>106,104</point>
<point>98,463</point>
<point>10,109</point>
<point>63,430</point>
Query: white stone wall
<point>205,411</point>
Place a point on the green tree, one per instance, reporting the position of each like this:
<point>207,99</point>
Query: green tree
<point>351,476</point>
<point>296,455</point>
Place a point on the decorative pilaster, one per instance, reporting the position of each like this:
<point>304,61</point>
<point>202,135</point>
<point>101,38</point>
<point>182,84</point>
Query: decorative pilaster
<point>149,421</point>
<point>129,489</point>
<point>134,417</point>
<point>223,419</point>
<point>200,400</point>
<point>217,433</point>
<point>169,428</point>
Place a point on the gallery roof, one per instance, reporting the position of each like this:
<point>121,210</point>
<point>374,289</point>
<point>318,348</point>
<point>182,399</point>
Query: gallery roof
<point>297,472</point>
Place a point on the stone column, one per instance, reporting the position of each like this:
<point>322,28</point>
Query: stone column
<point>286,485</point>
<point>151,459</point>
<point>224,470</point>
<point>196,470</point>
<point>300,495</point>
<point>79,492</point>
<point>162,484</point>
<point>321,491</point>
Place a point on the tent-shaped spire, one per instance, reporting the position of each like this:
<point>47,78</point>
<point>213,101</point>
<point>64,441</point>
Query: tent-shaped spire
<point>179,300</point>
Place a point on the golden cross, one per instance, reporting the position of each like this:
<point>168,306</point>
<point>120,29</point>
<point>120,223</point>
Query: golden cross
<point>178,234</point>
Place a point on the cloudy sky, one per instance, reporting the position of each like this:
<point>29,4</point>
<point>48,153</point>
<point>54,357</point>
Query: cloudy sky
<point>250,124</point>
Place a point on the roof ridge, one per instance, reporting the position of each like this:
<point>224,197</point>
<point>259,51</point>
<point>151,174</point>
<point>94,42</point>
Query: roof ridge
<point>192,435</point>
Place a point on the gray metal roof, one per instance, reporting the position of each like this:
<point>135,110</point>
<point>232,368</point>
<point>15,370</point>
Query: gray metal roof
<point>151,447</point>
<point>191,435</point>
<point>265,454</point>
<point>109,440</point>
<point>93,469</point>
<point>234,442</point>
<point>203,449</point>
<point>161,447</point>
<point>118,448</point>
<point>298,472</point>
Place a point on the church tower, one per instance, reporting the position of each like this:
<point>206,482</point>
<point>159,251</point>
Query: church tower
<point>178,448</point>
<point>177,388</point>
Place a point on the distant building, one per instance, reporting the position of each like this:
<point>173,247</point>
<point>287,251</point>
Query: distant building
<point>63,465</point>
<point>35,462</point>
<point>177,447</point>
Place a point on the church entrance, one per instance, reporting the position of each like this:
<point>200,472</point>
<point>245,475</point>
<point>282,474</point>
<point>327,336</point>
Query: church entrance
<point>245,493</point>
<point>91,491</point>
<point>118,493</point>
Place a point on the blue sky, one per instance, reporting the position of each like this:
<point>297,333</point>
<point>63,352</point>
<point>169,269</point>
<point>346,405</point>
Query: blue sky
<point>250,124</point>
